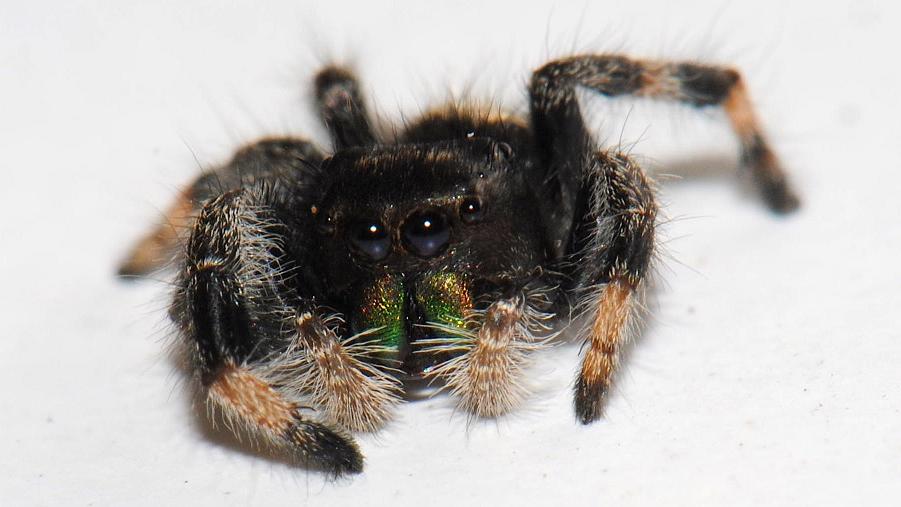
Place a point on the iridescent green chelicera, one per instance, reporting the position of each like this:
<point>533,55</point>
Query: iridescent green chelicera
<point>445,299</point>
<point>441,298</point>
<point>383,309</point>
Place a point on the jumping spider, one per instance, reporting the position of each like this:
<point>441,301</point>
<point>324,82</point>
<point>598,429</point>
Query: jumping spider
<point>311,287</point>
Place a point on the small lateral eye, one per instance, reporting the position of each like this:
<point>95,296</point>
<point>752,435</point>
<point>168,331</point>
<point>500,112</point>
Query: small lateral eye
<point>324,221</point>
<point>471,210</point>
<point>370,238</point>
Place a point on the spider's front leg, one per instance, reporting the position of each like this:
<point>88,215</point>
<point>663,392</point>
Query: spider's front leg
<point>557,120</point>
<point>262,354</point>
<point>613,242</point>
<point>235,312</point>
<point>603,220</point>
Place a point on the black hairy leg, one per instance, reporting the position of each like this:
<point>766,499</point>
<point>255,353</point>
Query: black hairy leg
<point>606,219</point>
<point>613,242</point>
<point>233,309</point>
<point>554,106</point>
<point>342,109</point>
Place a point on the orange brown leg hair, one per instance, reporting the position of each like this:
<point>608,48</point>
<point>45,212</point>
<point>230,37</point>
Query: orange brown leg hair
<point>607,328</point>
<point>252,406</point>
<point>160,246</point>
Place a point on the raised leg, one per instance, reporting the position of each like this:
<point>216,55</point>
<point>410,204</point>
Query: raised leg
<point>342,109</point>
<point>559,126</point>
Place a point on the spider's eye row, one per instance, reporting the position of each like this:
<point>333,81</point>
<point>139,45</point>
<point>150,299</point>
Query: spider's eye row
<point>471,210</point>
<point>426,233</point>
<point>370,238</point>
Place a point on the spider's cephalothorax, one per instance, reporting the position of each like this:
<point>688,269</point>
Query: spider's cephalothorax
<point>310,287</point>
<point>413,236</point>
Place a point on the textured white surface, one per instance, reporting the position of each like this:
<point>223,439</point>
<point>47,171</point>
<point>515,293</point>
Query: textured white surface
<point>768,375</point>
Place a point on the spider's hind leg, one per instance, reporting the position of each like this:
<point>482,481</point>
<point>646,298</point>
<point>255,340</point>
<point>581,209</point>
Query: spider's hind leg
<point>288,166</point>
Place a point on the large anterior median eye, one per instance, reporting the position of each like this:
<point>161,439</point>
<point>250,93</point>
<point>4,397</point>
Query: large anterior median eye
<point>426,233</point>
<point>370,238</point>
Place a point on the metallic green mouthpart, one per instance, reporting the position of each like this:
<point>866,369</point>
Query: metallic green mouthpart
<point>383,308</point>
<point>445,299</point>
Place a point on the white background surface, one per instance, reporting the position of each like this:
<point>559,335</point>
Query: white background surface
<point>768,375</point>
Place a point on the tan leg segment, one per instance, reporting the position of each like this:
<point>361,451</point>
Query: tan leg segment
<point>607,333</point>
<point>251,405</point>
<point>247,399</point>
<point>159,247</point>
<point>704,85</point>
<point>756,152</point>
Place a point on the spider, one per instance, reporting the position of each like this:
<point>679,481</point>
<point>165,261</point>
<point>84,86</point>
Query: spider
<point>312,288</point>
